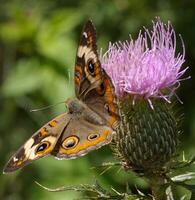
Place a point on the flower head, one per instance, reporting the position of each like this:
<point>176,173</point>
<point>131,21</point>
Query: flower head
<point>147,66</point>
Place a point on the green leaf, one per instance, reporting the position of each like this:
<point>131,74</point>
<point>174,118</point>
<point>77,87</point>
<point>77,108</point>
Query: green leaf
<point>184,177</point>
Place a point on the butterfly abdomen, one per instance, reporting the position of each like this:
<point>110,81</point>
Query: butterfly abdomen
<point>93,117</point>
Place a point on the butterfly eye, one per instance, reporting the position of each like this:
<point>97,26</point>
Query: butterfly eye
<point>91,67</point>
<point>92,136</point>
<point>70,142</point>
<point>42,147</point>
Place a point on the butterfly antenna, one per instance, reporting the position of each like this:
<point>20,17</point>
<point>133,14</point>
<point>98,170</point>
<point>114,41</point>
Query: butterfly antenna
<point>69,77</point>
<point>46,107</point>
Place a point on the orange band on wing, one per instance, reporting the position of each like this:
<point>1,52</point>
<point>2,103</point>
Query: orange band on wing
<point>110,100</point>
<point>86,144</point>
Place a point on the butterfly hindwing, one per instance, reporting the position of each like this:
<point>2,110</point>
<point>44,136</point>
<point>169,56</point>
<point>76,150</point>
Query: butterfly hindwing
<point>103,101</point>
<point>39,145</point>
<point>81,136</point>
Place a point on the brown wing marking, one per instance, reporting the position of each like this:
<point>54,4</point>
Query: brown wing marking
<point>80,137</point>
<point>103,101</point>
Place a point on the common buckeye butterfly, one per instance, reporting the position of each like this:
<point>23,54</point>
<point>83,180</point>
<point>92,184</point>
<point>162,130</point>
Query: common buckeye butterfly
<point>91,119</point>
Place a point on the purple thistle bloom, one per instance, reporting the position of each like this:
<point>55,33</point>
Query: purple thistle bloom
<point>147,66</point>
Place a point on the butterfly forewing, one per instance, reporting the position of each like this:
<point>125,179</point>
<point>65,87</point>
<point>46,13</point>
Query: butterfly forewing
<point>92,84</point>
<point>87,66</point>
<point>40,144</point>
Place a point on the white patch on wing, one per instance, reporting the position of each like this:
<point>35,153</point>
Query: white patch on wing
<point>28,144</point>
<point>15,159</point>
<point>81,51</point>
<point>85,34</point>
<point>88,55</point>
<point>30,151</point>
<point>87,52</point>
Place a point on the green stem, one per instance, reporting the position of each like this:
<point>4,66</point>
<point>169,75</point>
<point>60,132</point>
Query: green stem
<point>157,183</point>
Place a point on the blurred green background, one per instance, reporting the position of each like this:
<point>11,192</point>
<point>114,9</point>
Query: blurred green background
<point>38,42</point>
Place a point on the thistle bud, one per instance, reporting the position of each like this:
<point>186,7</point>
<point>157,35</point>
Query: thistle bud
<point>146,138</point>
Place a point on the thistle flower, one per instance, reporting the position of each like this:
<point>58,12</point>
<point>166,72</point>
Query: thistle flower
<point>148,66</point>
<point>146,70</point>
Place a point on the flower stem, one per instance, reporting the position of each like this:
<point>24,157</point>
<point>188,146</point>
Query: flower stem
<point>158,188</point>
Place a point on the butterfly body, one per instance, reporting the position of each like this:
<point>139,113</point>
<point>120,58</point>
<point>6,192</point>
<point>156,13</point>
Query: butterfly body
<point>90,121</point>
<point>79,109</point>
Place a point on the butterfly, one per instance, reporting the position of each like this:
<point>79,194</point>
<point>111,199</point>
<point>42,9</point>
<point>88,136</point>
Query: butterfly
<point>91,119</point>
